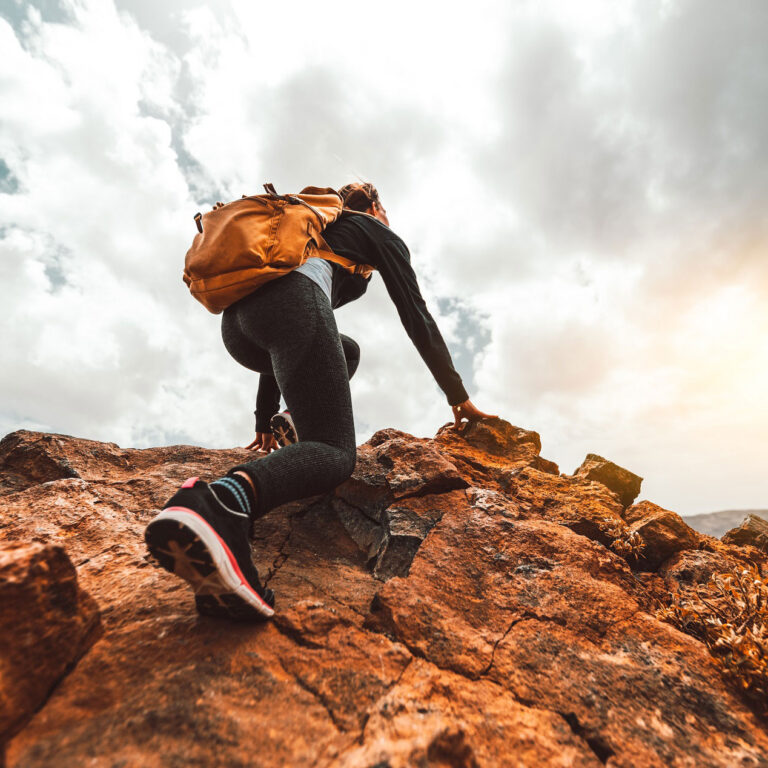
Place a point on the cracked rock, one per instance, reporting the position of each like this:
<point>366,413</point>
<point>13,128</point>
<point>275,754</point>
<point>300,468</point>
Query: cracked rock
<point>454,603</point>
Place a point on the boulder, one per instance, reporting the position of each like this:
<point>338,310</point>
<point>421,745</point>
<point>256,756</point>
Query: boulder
<point>394,497</point>
<point>625,484</point>
<point>753,531</point>
<point>589,509</point>
<point>393,465</point>
<point>695,566</point>
<point>664,533</point>
<point>484,451</point>
<point>46,624</point>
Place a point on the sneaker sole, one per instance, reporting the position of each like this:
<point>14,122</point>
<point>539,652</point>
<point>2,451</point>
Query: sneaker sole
<point>184,544</point>
<point>283,430</point>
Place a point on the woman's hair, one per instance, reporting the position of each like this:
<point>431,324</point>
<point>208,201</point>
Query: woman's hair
<point>359,196</point>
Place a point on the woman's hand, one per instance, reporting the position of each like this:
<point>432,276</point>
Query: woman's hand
<point>467,411</point>
<point>263,442</point>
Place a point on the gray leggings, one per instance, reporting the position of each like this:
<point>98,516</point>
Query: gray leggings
<point>287,328</point>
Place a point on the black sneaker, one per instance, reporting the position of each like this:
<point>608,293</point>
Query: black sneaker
<point>206,543</point>
<point>282,427</point>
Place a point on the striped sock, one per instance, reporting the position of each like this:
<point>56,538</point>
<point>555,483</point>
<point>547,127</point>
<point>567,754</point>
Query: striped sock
<point>233,492</point>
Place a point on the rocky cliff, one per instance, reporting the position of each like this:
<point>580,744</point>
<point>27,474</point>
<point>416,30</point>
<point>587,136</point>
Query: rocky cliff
<point>456,602</point>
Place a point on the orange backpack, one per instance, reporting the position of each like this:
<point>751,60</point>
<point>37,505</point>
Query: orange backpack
<point>248,242</point>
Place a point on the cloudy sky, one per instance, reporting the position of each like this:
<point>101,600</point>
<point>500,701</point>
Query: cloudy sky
<point>583,187</point>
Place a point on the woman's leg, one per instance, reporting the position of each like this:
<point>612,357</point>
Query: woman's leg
<point>202,532</point>
<point>250,355</point>
<point>292,319</point>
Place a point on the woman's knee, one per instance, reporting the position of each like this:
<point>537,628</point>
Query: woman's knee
<point>351,354</point>
<point>351,347</point>
<point>352,461</point>
<point>347,460</point>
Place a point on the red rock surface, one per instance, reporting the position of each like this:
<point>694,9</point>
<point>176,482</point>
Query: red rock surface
<point>665,533</point>
<point>625,484</point>
<point>46,624</point>
<point>454,603</point>
<point>753,531</point>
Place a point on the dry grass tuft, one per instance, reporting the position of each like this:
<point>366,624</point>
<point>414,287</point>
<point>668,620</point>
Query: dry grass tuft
<point>730,615</point>
<point>625,544</point>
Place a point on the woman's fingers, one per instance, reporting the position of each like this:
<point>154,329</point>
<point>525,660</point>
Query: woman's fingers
<point>264,442</point>
<point>468,411</point>
<point>458,413</point>
<point>270,444</point>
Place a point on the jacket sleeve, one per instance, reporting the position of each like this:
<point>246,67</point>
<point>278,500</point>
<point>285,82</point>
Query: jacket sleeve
<point>394,264</point>
<point>267,401</point>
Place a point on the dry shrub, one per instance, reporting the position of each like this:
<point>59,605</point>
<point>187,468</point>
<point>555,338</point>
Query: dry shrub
<point>730,615</point>
<point>627,545</point>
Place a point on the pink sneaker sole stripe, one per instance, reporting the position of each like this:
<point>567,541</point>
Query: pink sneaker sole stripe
<point>227,551</point>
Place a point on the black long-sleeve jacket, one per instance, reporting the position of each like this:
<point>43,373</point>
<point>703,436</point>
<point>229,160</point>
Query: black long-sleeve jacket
<point>366,240</point>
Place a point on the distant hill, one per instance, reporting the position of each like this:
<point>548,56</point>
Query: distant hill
<point>717,523</point>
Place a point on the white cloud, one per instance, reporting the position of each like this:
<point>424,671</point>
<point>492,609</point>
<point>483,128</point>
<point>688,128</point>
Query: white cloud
<point>582,190</point>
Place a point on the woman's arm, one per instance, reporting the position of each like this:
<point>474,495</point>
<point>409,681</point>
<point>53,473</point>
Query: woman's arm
<point>403,288</point>
<point>366,241</point>
<point>267,401</point>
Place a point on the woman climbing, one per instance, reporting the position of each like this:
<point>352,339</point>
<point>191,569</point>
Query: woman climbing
<point>286,331</point>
